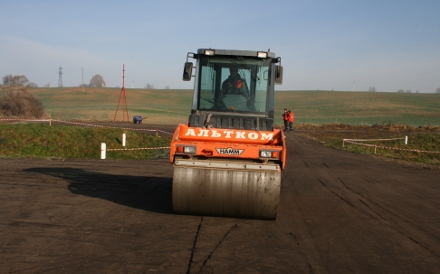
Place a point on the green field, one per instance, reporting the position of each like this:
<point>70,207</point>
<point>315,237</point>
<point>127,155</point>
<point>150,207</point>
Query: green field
<point>362,108</point>
<point>172,106</point>
<point>67,142</point>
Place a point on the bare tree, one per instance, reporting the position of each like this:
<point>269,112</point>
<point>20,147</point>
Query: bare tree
<point>149,86</point>
<point>408,91</point>
<point>7,80</point>
<point>401,91</point>
<point>437,90</point>
<point>372,89</point>
<point>97,81</point>
<point>17,80</point>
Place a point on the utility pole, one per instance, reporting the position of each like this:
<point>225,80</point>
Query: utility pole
<point>82,79</point>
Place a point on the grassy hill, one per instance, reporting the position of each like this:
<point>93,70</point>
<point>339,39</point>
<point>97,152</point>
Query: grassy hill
<point>362,108</point>
<point>171,106</point>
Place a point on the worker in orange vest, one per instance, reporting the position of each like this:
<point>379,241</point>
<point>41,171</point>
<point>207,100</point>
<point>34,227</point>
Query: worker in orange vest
<point>290,119</point>
<point>285,119</point>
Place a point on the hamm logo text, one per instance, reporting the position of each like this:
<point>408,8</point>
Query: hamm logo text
<point>229,151</point>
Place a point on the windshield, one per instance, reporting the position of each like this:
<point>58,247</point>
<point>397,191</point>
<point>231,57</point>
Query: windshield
<point>233,84</point>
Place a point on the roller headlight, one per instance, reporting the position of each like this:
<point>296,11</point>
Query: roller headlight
<point>262,54</point>
<point>273,154</point>
<point>182,149</point>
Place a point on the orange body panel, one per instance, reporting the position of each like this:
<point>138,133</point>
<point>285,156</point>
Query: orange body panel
<point>229,143</point>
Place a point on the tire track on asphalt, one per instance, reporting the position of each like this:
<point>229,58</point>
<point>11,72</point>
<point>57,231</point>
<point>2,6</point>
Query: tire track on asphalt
<point>304,240</point>
<point>345,200</point>
<point>188,271</point>
<point>378,217</point>
<point>385,221</point>
<point>215,248</point>
<point>302,253</point>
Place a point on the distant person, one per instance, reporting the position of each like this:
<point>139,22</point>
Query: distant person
<point>291,118</point>
<point>285,120</point>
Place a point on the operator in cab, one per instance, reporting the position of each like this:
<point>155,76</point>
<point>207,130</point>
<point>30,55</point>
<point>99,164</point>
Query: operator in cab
<point>235,93</point>
<point>235,84</point>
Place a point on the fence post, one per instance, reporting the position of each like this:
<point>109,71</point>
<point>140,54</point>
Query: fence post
<point>124,137</point>
<point>103,151</point>
<point>157,133</point>
<point>406,140</point>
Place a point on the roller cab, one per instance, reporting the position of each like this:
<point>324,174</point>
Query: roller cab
<point>228,158</point>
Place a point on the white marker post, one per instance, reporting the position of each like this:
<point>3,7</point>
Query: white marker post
<point>406,140</point>
<point>124,137</point>
<point>103,151</point>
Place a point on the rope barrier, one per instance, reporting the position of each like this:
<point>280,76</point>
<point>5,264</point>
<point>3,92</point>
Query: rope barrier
<point>365,140</point>
<point>84,124</point>
<point>137,148</point>
<point>104,149</point>
<point>354,142</point>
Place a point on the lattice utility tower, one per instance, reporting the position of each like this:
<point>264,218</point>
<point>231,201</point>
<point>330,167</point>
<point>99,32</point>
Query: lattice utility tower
<point>60,78</point>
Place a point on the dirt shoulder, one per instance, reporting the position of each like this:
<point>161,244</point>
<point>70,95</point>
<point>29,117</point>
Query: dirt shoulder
<point>326,134</point>
<point>345,131</point>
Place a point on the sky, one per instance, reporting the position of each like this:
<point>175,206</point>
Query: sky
<point>327,45</point>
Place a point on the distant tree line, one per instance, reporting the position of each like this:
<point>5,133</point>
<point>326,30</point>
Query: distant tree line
<point>373,89</point>
<point>149,86</point>
<point>406,91</point>
<point>97,81</point>
<point>22,80</point>
<point>17,80</point>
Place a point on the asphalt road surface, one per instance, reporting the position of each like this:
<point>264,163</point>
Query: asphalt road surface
<point>339,212</point>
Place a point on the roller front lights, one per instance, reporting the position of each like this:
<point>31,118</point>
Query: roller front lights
<point>269,154</point>
<point>182,149</point>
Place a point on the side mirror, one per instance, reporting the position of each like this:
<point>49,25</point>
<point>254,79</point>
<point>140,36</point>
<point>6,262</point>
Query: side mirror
<point>278,75</point>
<point>187,71</point>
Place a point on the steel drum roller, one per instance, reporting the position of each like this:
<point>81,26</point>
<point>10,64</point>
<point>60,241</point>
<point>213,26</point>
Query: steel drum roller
<point>234,193</point>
